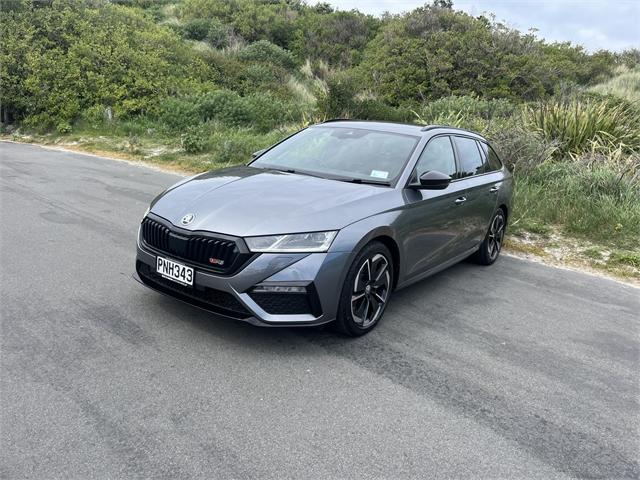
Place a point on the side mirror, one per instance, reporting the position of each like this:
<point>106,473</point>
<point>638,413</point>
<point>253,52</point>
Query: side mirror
<point>258,153</point>
<point>434,180</point>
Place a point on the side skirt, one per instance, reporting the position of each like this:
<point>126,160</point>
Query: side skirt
<point>437,268</point>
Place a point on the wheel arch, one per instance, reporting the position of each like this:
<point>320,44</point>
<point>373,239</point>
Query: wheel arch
<point>505,209</point>
<point>392,245</point>
<point>356,236</point>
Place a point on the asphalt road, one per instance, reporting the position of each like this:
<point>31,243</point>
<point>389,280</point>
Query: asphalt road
<point>515,370</point>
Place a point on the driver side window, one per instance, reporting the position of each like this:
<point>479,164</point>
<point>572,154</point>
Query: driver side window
<point>437,155</point>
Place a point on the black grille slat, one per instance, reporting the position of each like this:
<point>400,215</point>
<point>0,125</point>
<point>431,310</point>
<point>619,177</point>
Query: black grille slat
<point>214,300</point>
<point>193,248</point>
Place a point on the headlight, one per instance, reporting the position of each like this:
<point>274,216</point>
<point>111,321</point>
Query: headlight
<point>292,243</point>
<point>146,212</point>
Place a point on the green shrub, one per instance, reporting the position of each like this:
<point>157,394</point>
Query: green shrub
<point>266,52</point>
<point>192,141</point>
<point>268,112</point>
<point>338,100</point>
<point>373,109</point>
<point>520,149</point>
<point>218,34</point>
<point>196,29</point>
<point>224,106</point>
<point>466,106</point>
<point>63,58</point>
<point>261,111</point>
<point>63,127</point>
<point>261,77</point>
<point>178,113</point>
<point>231,146</point>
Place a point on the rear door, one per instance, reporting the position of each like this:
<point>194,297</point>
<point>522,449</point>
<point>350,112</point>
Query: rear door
<point>480,199</point>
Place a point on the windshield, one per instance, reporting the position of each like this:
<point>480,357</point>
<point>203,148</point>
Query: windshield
<point>342,153</point>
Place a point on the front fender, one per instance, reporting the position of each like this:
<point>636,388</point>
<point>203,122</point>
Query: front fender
<point>352,238</point>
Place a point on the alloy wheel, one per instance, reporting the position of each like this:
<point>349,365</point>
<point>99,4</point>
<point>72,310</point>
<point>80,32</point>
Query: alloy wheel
<point>496,236</point>
<point>370,290</point>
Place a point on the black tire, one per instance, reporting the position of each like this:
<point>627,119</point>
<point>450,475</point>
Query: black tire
<point>359,315</point>
<point>492,245</point>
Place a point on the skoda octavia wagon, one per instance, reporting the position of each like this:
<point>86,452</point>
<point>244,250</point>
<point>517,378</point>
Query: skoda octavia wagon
<point>325,225</point>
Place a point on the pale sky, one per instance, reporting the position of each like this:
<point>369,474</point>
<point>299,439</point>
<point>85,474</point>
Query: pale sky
<point>595,24</point>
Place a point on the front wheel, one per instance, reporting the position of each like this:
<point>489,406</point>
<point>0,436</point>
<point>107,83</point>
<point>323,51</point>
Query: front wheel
<point>492,244</point>
<point>366,290</point>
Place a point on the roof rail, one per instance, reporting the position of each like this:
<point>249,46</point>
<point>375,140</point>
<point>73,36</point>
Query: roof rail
<point>337,120</point>
<point>426,128</point>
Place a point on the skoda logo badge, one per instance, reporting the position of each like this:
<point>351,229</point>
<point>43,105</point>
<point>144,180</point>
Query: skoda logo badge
<point>188,218</point>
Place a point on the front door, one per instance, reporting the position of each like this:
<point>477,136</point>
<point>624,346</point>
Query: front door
<point>434,219</point>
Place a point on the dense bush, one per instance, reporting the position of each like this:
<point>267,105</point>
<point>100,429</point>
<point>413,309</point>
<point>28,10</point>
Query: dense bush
<point>196,29</point>
<point>435,51</point>
<point>338,38</point>
<point>267,52</point>
<point>338,99</point>
<point>252,20</point>
<point>177,113</point>
<point>218,34</point>
<point>260,111</point>
<point>374,109</point>
<point>57,61</point>
<point>466,106</point>
<point>192,141</point>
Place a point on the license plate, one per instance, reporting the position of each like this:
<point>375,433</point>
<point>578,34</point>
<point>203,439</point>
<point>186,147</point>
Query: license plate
<point>174,271</point>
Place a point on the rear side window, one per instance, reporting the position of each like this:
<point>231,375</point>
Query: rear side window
<point>490,157</point>
<point>437,155</point>
<point>494,160</point>
<point>468,157</point>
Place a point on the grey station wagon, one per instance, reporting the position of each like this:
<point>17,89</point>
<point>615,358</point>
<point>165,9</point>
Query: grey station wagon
<point>325,225</point>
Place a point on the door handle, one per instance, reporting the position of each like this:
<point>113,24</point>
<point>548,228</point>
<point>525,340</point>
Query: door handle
<point>494,189</point>
<point>460,200</point>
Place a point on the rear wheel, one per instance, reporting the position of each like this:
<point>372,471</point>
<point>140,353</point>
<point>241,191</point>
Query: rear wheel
<point>366,290</point>
<point>492,245</point>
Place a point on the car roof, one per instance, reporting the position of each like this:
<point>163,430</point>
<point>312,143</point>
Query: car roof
<point>393,127</point>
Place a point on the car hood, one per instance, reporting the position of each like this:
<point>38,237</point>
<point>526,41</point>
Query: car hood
<point>247,201</point>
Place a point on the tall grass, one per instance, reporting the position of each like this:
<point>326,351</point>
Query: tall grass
<point>626,85</point>
<point>591,201</point>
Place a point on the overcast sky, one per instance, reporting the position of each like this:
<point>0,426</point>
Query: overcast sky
<point>595,24</point>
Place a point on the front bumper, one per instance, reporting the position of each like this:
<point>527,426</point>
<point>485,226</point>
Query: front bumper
<point>230,296</point>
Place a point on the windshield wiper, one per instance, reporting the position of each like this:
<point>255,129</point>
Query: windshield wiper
<point>299,172</point>
<point>367,182</point>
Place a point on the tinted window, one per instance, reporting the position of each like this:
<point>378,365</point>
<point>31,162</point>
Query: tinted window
<point>490,157</point>
<point>468,157</point>
<point>494,161</point>
<point>486,168</point>
<point>342,152</point>
<point>437,155</point>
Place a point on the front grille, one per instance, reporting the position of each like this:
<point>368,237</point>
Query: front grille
<point>216,301</point>
<point>214,253</point>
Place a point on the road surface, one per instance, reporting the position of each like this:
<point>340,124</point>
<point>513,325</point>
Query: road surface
<point>515,370</point>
